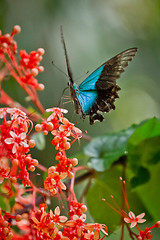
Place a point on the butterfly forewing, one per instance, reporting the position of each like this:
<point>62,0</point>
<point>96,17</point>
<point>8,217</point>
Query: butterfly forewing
<point>90,81</point>
<point>113,69</point>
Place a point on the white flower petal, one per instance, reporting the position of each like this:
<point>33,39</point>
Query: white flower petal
<point>127,220</point>
<point>141,215</point>
<point>13,134</point>
<point>131,214</point>
<point>104,232</point>
<point>14,149</point>
<point>49,110</point>
<point>75,217</point>
<point>141,220</point>
<point>63,219</point>
<point>64,110</point>
<point>50,118</point>
<point>57,211</point>
<point>63,186</point>
<point>133,224</point>
<point>9,140</point>
<point>51,213</point>
<point>25,144</point>
<point>83,217</point>
<point>22,136</point>
<point>10,110</point>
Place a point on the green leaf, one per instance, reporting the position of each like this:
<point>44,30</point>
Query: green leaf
<point>3,203</point>
<point>45,175</point>
<point>149,192</point>
<point>144,149</point>
<point>12,201</point>
<point>148,130</point>
<point>39,140</point>
<point>107,149</point>
<point>142,176</point>
<point>116,235</point>
<point>105,185</point>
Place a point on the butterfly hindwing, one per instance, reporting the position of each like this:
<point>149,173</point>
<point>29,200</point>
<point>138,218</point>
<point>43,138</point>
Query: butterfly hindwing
<point>86,100</point>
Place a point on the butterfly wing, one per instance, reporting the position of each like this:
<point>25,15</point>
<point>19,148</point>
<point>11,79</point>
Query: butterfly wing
<point>113,69</point>
<point>86,100</point>
<point>90,82</point>
<point>99,90</point>
<point>106,75</point>
<point>87,92</point>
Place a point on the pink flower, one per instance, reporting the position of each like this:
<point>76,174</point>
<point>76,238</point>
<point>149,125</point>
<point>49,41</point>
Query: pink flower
<point>77,221</point>
<point>133,219</point>
<point>15,112</point>
<point>2,112</point>
<point>16,140</point>
<point>56,112</point>
<point>56,216</point>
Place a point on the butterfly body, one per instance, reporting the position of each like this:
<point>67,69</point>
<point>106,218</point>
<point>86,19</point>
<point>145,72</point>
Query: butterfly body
<point>98,92</point>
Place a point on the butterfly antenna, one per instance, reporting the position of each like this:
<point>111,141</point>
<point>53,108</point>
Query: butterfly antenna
<point>82,75</point>
<point>66,56</point>
<point>59,69</point>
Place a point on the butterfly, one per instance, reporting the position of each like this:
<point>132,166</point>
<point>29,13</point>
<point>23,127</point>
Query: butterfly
<point>98,92</point>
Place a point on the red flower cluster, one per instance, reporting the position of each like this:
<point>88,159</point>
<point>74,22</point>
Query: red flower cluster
<point>5,230</point>
<point>7,44</point>
<point>23,72</point>
<point>15,146</point>
<point>15,159</point>
<point>53,226</point>
<point>49,225</point>
<point>77,208</point>
<point>30,65</point>
<point>61,129</point>
<point>5,223</point>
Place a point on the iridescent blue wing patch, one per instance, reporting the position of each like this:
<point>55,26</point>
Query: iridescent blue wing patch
<point>86,100</point>
<point>90,82</point>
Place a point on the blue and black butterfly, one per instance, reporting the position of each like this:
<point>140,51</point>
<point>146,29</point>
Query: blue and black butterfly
<point>99,90</point>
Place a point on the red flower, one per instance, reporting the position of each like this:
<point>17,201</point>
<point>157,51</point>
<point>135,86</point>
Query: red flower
<point>17,140</point>
<point>53,182</point>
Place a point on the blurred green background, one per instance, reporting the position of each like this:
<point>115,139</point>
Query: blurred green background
<point>94,31</point>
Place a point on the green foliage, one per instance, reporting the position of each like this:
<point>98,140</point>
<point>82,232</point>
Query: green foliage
<point>144,150</point>
<point>107,149</point>
<point>3,203</point>
<point>102,187</point>
<point>140,144</point>
<point>149,192</point>
<point>134,154</point>
<point>12,202</point>
<point>39,140</point>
